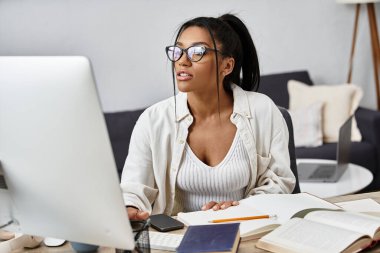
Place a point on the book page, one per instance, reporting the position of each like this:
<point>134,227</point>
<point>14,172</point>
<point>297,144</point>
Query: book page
<point>307,236</point>
<point>246,227</point>
<point>367,206</point>
<point>358,222</point>
<point>203,217</point>
<point>285,205</point>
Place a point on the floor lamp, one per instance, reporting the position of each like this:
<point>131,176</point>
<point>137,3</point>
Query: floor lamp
<point>374,41</point>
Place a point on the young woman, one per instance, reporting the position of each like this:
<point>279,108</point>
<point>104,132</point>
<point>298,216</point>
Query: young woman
<point>217,141</point>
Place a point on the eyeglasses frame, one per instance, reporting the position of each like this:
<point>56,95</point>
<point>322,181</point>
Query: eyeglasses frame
<point>207,49</point>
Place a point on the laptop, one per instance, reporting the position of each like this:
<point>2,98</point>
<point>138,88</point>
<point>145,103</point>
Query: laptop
<point>329,172</point>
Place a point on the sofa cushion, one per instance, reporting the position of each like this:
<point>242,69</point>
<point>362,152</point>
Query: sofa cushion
<point>275,85</point>
<point>340,101</point>
<point>307,124</point>
<point>120,126</point>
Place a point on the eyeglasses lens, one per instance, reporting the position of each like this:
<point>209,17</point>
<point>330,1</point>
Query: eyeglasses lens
<point>195,53</point>
<point>174,53</point>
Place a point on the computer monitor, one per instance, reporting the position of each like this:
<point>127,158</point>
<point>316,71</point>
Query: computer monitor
<point>60,175</point>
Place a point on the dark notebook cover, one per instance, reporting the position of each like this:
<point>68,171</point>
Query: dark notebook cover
<point>210,238</point>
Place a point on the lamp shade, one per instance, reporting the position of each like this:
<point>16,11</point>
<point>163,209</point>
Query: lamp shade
<point>356,1</point>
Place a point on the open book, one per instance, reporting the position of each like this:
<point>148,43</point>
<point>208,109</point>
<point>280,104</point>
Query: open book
<point>323,231</point>
<point>284,206</point>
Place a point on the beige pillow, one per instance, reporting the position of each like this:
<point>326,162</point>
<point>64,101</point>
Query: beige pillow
<point>340,101</point>
<point>307,125</point>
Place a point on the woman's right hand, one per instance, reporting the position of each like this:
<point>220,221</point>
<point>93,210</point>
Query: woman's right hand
<point>136,214</point>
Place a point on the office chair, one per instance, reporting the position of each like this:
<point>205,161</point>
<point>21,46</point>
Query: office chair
<point>292,149</point>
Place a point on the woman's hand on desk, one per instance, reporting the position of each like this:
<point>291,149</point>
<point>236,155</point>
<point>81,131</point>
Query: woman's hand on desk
<point>219,206</point>
<point>136,214</point>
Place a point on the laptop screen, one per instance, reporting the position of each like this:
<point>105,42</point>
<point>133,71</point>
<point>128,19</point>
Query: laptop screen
<point>344,142</point>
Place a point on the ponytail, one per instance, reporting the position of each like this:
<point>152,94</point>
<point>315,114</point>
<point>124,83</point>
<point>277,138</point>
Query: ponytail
<point>245,55</point>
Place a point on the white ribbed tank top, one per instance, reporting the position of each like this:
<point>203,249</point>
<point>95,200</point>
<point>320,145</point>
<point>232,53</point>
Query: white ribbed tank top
<point>198,183</point>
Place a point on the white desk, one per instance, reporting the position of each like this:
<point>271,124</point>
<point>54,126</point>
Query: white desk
<point>244,247</point>
<point>354,179</point>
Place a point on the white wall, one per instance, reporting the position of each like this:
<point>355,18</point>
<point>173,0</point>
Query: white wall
<point>125,39</point>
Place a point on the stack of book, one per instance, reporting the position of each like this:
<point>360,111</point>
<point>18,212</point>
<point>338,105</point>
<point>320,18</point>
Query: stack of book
<point>318,230</point>
<point>303,223</point>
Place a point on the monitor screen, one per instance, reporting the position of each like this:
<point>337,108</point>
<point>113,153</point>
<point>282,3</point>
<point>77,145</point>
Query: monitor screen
<point>56,158</point>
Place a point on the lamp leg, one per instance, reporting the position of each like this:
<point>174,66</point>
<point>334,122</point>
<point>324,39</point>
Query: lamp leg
<point>375,48</point>
<point>357,13</point>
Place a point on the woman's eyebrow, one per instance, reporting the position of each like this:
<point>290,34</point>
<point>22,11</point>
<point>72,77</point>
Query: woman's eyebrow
<point>201,43</point>
<point>194,43</point>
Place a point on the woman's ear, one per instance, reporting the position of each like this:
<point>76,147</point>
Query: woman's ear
<point>228,64</point>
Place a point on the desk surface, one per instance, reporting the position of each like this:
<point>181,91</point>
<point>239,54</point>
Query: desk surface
<point>354,179</point>
<point>244,247</point>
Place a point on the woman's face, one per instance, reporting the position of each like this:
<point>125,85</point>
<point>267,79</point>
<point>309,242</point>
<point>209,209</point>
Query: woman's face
<point>196,76</point>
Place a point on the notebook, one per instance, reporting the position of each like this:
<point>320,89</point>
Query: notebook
<point>211,238</point>
<point>322,172</point>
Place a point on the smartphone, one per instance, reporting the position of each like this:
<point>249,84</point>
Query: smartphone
<point>165,223</point>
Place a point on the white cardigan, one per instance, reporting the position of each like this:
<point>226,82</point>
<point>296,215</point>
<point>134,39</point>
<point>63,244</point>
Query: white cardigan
<point>158,140</point>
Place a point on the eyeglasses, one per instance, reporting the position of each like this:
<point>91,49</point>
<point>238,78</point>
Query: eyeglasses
<point>139,226</point>
<point>193,53</point>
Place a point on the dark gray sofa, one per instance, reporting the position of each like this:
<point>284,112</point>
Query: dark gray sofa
<point>365,153</point>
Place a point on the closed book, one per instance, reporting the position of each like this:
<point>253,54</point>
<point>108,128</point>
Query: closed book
<point>210,238</point>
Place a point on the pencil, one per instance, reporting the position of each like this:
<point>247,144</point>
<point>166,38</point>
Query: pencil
<point>243,218</point>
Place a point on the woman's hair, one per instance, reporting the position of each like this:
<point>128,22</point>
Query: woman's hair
<point>236,42</point>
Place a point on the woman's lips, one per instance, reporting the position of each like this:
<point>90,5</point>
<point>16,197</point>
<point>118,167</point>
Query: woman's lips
<point>183,76</point>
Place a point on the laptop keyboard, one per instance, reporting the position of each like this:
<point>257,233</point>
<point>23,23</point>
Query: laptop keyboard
<point>323,172</point>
